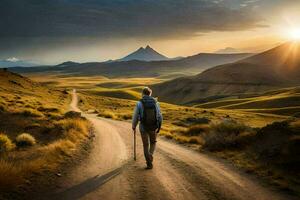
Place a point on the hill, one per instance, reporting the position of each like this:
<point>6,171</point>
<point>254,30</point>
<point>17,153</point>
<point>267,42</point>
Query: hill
<point>144,54</point>
<point>135,68</point>
<point>275,68</point>
<point>36,137</point>
<point>280,102</point>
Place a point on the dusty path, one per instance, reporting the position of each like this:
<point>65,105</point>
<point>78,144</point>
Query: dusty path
<point>178,173</point>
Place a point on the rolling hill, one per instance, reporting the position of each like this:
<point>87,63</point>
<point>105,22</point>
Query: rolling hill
<point>34,140</point>
<point>280,102</point>
<point>135,68</point>
<point>275,68</point>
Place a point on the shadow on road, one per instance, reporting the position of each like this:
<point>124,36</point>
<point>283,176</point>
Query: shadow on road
<point>91,184</point>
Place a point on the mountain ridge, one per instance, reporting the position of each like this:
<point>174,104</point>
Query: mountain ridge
<point>275,68</point>
<point>144,54</point>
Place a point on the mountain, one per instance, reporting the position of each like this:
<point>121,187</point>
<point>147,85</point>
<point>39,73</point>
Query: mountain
<point>14,62</point>
<point>276,68</point>
<point>136,68</point>
<point>228,50</point>
<point>144,54</point>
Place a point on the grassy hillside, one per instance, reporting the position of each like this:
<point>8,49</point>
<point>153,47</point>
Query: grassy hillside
<point>228,133</point>
<point>272,69</point>
<point>281,102</point>
<point>36,137</point>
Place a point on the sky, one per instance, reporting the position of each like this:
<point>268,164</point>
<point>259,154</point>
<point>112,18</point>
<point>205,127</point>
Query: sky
<point>54,31</point>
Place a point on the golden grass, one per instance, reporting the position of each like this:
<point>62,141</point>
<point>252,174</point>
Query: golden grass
<point>25,139</point>
<point>44,157</point>
<point>5,143</point>
<point>36,110</point>
<point>107,114</point>
<point>10,175</point>
<point>280,102</point>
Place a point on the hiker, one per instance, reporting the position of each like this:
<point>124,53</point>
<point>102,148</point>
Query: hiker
<point>147,112</point>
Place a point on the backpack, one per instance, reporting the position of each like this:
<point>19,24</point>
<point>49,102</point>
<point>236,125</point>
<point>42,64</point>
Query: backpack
<point>149,118</point>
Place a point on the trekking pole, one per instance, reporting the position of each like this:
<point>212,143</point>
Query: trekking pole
<point>134,145</point>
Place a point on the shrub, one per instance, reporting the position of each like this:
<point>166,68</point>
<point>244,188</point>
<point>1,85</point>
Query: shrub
<point>72,114</point>
<point>5,143</point>
<point>196,130</point>
<point>25,139</point>
<point>226,134</point>
<point>28,112</point>
<point>195,120</point>
<point>48,109</point>
<point>74,128</point>
<point>54,116</point>
<point>279,143</point>
<point>107,114</point>
<point>126,116</point>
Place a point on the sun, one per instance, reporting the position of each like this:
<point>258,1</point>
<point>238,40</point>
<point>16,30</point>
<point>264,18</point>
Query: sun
<point>295,34</point>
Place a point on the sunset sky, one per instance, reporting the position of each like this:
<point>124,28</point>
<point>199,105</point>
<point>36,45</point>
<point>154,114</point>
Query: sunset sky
<point>53,31</point>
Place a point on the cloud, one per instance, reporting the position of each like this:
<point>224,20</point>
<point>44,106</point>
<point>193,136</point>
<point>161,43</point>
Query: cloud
<point>13,59</point>
<point>121,18</point>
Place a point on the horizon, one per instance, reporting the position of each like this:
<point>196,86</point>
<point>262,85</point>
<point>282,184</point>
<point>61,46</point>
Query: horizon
<point>87,32</point>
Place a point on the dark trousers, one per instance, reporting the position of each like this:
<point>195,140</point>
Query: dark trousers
<point>149,143</point>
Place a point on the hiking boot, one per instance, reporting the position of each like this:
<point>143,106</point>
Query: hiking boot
<point>151,157</point>
<point>149,166</point>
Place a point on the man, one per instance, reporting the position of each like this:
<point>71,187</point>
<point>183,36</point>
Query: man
<point>147,112</point>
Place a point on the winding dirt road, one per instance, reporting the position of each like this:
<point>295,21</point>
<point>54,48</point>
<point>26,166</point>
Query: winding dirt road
<point>109,171</point>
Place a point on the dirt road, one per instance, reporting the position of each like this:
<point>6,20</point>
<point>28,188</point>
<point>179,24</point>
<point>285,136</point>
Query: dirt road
<point>109,172</point>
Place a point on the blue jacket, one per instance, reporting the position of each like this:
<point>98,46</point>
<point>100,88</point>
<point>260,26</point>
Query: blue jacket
<point>138,113</point>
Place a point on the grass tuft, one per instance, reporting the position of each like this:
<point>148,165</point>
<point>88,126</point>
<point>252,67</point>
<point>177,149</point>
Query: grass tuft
<point>25,139</point>
<point>107,114</point>
<point>28,112</point>
<point>5,143</point>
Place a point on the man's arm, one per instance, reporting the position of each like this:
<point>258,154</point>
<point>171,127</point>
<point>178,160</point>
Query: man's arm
<point>135,117</point>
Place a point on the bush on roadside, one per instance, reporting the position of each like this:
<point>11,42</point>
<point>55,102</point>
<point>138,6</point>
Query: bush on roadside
<point>227,134</point>
<point>5,143</point>
<point>126,116</point>
<point>49,109</point>
<point>279,143</point>
<point>196,130</point>
<point>72,114</point>
<point>25,139</point>
<point>107,114</point>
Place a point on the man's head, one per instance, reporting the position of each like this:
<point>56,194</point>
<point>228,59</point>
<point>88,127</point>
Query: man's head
<point>147,91</point>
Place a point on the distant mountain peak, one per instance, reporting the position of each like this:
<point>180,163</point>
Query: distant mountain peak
<point>145,54</point>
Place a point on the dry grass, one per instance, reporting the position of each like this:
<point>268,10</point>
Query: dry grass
<point>36,110</point>
<point>25,139</point>
<point>107,114</point>
<point>28,112</point>
<point>226,134</point>
<point>11,175</point>
<point>5,143</point>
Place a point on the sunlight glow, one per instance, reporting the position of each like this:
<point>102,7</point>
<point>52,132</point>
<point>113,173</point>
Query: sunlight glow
<point>295,33</point>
